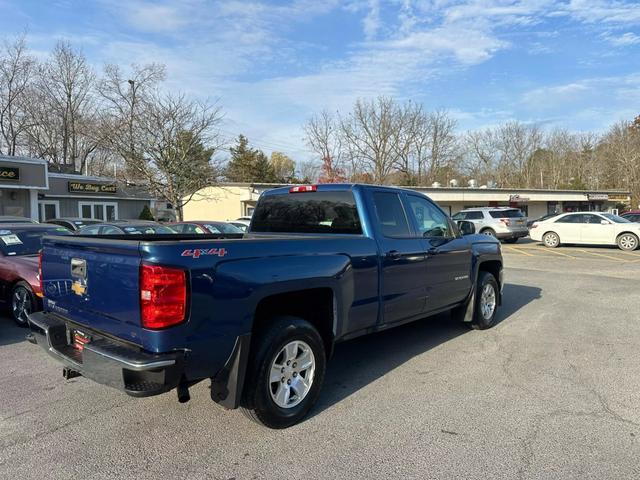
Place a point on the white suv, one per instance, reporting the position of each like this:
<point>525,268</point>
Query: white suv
<point>505,223</point>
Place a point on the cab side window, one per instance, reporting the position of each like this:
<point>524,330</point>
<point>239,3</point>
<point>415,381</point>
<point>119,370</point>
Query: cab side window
<point>430,220</point>
<point>391,216</point>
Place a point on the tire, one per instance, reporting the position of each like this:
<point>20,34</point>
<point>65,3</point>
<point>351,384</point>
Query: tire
<point>551,240</point>
<point>22,303</point>
<point>287,339</point>
<point>486,298</point>
<point>510,240</point>
<point>490,232</point>
<point>627,241</point>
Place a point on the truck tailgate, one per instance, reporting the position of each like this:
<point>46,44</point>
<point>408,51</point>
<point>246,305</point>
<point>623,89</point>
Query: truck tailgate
<point>94,283</point>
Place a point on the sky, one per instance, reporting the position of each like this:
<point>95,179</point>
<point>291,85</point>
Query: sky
<point>572,64</point>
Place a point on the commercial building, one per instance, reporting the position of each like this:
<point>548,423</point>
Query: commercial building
<point>232,200</point>
<point>29,189</point>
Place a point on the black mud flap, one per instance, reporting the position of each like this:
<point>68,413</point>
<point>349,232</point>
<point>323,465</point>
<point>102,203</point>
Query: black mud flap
<point>226,386</point>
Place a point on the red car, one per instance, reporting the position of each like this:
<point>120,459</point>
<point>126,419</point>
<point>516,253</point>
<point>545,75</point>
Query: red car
<point>205,226</point>
<point>632,216</point>
<point>20,244</point>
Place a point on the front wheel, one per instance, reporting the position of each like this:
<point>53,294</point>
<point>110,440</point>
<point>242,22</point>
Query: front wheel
<point>285,373</point>
<point>487,292</point>
<point>628,242</point>
<point>23,302</point>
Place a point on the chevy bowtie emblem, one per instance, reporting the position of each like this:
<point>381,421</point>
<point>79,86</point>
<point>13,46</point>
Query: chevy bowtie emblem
<point>78,288</point>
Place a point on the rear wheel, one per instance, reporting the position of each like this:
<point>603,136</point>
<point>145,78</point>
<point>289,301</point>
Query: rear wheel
<point>627,241</point>
<point>23,302</point>
<point>551,240</point>
<point>489,232</point>
<point>285,373</point>
<point>487,292</point>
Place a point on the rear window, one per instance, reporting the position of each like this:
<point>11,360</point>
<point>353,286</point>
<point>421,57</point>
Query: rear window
<point>308,212</point>
<point>514,213</point>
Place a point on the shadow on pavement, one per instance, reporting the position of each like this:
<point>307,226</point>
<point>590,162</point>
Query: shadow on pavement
<point>10,332</point>
<point>357,363</point>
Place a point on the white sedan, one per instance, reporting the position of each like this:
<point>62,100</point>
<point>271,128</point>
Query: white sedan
<point>591,228</point>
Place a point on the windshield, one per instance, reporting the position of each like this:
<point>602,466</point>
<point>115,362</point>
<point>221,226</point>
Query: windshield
<point>615,218</point>
<point>222,228</point>
<point>146,229</point>
<point>17,242</point>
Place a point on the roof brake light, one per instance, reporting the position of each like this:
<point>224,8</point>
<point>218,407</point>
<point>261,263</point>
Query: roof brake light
<point>303,189</point>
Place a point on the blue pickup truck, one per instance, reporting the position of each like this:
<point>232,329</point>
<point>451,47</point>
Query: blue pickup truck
<point>259,315</point>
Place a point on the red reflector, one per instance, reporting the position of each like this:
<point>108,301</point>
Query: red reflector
<point>163,296</point>
<point>303,188</point>
<point>40,271</point>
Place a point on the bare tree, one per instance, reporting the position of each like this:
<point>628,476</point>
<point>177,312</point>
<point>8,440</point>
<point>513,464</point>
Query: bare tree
<point>62,109</point>
<point>323,138</point>
<point>368,133</point>
<point>175,141</point>
<point>125,101</point>
<point>16,72</point>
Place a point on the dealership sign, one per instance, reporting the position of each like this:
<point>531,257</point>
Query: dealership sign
<point>9,173</point>
<point>85,187</point>
<point>598,196</point>
<point>516,198</point>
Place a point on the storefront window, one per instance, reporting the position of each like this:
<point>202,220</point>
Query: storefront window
<point>98,210</point>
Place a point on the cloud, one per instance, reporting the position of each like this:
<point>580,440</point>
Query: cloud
<point>624,40</point>
<point>371,22</point>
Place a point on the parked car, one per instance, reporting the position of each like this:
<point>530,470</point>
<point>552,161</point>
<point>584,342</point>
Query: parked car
<point>12,219</point>
<point>19,282</point>
<point>504,223</point>
<point>259,315</point>
<point>632,216</point>
<point>591,228</point>
<point>541,219</point>
<point>126,228</point>
<point>242,226</point>
<point>205,227</point>
<point>73,223</point>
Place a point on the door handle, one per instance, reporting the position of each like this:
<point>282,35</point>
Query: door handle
<point>394,254</point>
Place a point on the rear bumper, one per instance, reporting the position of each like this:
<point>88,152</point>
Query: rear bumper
<point>512,234</point>
<point>118,365</point>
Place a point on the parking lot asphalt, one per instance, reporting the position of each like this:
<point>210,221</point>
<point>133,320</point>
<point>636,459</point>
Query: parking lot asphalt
<point>553,391</point>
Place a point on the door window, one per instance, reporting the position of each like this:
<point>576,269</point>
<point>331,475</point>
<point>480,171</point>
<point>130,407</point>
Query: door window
<point>577,218</point>
<point>393,221</point>
<point>48,211</point>
<point>473,216</point>
<point>592,219</point>
<point>111,212</point>
<point>85,211</point>
<point>430,220</point>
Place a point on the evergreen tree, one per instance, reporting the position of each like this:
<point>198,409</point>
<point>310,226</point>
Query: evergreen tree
<point>146,214</point>
<point>248,164</point>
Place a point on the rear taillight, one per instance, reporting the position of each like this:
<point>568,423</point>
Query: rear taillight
<point>506,221</point>
<point>40,272</point>
<point>163,296</point>
<point>303,188</point>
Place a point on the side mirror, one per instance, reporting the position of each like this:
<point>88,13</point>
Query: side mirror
<point>604,222</point>
<point>466,228</point>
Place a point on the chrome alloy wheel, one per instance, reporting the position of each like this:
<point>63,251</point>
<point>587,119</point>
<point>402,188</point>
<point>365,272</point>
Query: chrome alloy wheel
<point>551,240</point>
<point>487,301</point>
<point>291,374</point>
<point>21,304</point>
<point>628,242</point>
